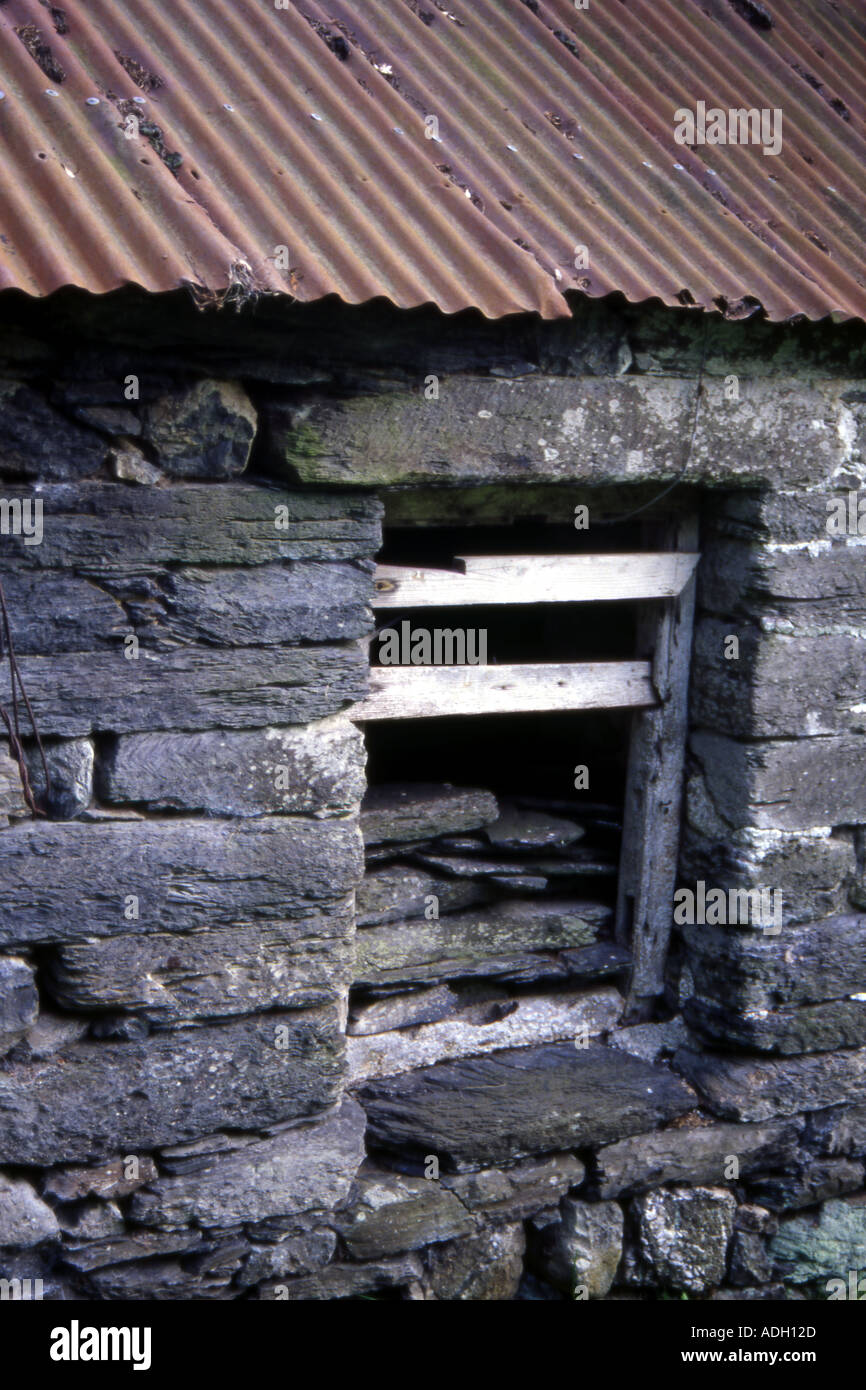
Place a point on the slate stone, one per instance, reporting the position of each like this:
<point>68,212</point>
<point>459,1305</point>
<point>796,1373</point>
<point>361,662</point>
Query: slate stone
<point>457,866</point>
<point>473,943</point>
<point>214,973</point>
<point>789,785</point>
<point>840,1130</point>
<point>136,1245</point>
<point>749,1262</point>
<point>683,1235</point>
<point>520,829</point>
<point>70,770</point>
<point>405,812</point>
<point>785,684</point>
<point>805,965</point>
<point>206,431</point>
<point>651,1040</point>
<point>98,1099</point>
<point>338,1281</point>
<point>529,1020</point>
<point>761,1090</point>
<point>159,1281</point>
<point>390,1212</point>
<point>296,601</point>
<point>19,1001</point>
<point>811,872</point>
<point>402,1011</point>
<point>695,1154</point>
<point>822,1246</point>
<point>818,1181</point>
<point>516,1103</point>
<point>25,1220</point>
<point>303,1253</point>
<point>581,1250</point>
<point>40,442</point>
<point>814,1028</point>
<point>310,1166</point>
<point>108,527</point>
<point>76,694</point>
<point>117,1178</point>
<point>319,767</point>
<point>12,801</point>
<point>65,882</point>
<point>486,1267</point>
<point>89,1221</point>
<point>518,1191</point>
<point>398,893</point>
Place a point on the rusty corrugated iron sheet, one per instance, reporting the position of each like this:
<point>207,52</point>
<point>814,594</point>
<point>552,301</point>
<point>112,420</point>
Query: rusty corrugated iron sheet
<point>306,128</point>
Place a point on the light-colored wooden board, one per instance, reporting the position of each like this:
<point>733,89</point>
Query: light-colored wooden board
<point>493,579</point>
<point>416,692</point>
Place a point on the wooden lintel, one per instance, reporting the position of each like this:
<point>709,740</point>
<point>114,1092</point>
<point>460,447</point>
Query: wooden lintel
<point>514,579</point>
<point>417,692</point>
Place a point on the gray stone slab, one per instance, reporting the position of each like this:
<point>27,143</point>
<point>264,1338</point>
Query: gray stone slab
<point>803,965</point>
<point>64,882</point>
<point>25,1220</point>
<point>399,892</point>
<point>751,1089</point>
<point>808,1250</point>
<point>790,785</point>
<point>308,1167</point>
<point>812,1028</point>
<point>203,431</point>
<point>522,829</point>
<point>319,767</point>
<point>338,1281</point>
<point>471,943</point>
<point>412,811</point>
<point>695,1154</point>
<point>518,1191</point>
<point>403,1011</point>
<point>19,1001</point>
<point>93,1100</point>
<point>390,1213</point>
<point>76,694</point>
<point>112,527</point>
<point>516,1103</point>
<point>210,974</point>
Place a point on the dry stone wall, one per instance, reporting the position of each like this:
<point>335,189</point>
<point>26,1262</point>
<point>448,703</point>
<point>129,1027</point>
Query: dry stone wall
<point>190,1105</point>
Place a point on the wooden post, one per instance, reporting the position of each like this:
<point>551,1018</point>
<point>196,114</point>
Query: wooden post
<point>653,802</point>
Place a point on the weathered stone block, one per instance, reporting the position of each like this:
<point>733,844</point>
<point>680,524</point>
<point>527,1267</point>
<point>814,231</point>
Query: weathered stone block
<point>807,1249</point>
<point>389,1213</point>
<point>25,1220</point>
<point>840,1130</point>
<point>782,685</point>
<point>76,694</point>
<point>580,1252</point>
<point>791,785</point>
<point>483,942</point>
<point>64,882</point>
<point>809,1185</point>
<point>516,1192</point>
<point>512,1104</point>
<point>418,811</point>
<point>529,1020</point>
<point>802,965</point>
<point>239,773</point>
<point>760,1090</point>
<point>70,770</point>
<point>402,1011</point>
<point>39,441</point>
<point>683,1235</point>
<point>813,1028</point>
<point>96,1099</point>
<point>307,1167</point>
<point>208,974</point>
<point>695,1154</point>
<point>339,1281</point>
<point>399,892</point>
<point>235,606</point>
<point>485,1267</point>
<point>108,1180</point>
<point>19,1001</point>
<point>206,431</point>
<point>302,1253</point>
<point>107,527</point>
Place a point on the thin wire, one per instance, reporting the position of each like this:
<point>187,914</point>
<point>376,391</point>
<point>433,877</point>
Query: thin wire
<point>13,726</point>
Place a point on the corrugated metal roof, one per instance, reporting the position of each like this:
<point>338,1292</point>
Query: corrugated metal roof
<point>304,127</point>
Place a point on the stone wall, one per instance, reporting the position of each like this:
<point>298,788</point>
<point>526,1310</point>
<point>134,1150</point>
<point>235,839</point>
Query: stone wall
<point>178,1114</point>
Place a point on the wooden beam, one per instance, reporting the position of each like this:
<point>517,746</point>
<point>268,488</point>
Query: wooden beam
<point>418,692</point>
<point>493,579</point>
<point>653,800</point>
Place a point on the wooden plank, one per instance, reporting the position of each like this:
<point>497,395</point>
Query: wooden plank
<point>535,579</point>
<point>417,692</point>
<point>651,829</point>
